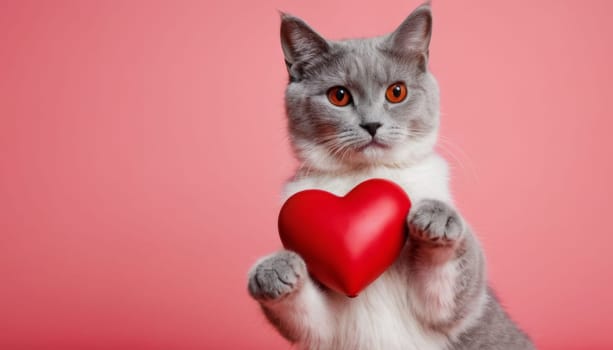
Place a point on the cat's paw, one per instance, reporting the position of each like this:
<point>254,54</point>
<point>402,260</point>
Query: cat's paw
<point>435,222</point>
<point>277,276</point>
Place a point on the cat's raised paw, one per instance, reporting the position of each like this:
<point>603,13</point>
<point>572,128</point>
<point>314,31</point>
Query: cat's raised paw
<point>435,222</point>
<point>277,276</point>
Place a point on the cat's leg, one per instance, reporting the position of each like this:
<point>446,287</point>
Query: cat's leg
<point>291,301</point>
<point>447,287</point>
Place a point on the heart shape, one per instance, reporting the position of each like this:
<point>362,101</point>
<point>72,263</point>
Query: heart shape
<point>347,242</point>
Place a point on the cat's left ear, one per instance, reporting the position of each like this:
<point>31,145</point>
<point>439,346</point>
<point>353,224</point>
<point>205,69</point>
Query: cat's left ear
<point>412,37</point>
<point>300,43</point>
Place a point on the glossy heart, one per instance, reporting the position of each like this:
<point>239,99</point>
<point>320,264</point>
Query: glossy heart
<point>347,242</point>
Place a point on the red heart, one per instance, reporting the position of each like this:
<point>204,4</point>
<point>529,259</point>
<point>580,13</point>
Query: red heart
<point>347,242</point>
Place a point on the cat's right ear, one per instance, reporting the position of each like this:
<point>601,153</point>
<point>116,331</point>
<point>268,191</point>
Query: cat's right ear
<point>413,36</point>
<point>299,42</point>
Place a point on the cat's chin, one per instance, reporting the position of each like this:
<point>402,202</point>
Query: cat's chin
<point>373,153</point>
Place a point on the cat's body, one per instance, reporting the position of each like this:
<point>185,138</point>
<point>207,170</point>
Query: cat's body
<point>435,296</point>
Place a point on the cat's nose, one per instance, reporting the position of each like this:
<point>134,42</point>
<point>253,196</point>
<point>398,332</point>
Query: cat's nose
<point>371,127</point>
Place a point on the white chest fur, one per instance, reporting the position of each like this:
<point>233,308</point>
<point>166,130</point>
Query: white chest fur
<point>380,317</point>
<point>426,179</point>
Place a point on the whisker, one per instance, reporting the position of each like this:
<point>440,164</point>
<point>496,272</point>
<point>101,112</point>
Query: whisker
<point>452,150</point>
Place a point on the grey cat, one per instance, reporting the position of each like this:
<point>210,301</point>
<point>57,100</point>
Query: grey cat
<point>369,108</point>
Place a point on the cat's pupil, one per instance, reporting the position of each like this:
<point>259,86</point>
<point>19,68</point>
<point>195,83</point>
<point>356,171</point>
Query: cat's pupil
<point>396,91</point>
<point>340,94</point>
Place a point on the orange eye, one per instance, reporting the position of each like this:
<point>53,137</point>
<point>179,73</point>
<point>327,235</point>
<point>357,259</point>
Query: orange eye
<point>396,92</point>
<point>339,96</point>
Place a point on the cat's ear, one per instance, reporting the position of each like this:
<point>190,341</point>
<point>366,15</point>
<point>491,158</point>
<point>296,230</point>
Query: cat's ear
<point>412,37</point>
<point>300,43</point>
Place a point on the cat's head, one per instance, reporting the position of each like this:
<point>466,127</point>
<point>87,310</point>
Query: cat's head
<point>361,102</point>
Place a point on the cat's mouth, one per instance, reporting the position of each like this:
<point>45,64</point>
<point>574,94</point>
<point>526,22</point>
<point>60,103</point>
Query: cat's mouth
<point>373,143</point>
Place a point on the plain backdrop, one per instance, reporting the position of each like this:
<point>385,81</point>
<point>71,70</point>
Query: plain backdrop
<point>143,150</point>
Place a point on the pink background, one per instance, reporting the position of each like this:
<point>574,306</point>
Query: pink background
<point>142,151</point>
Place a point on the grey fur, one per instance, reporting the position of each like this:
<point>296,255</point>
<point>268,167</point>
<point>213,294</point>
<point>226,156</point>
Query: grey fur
<point>277,276</point>
<point>435,222</point>
<point>495,331</point>
<point>438,236</point>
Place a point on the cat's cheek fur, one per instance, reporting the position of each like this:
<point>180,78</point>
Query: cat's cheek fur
<point>314,156</point>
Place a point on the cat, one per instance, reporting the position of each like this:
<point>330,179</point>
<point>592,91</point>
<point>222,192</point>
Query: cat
<point>369,108</point>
